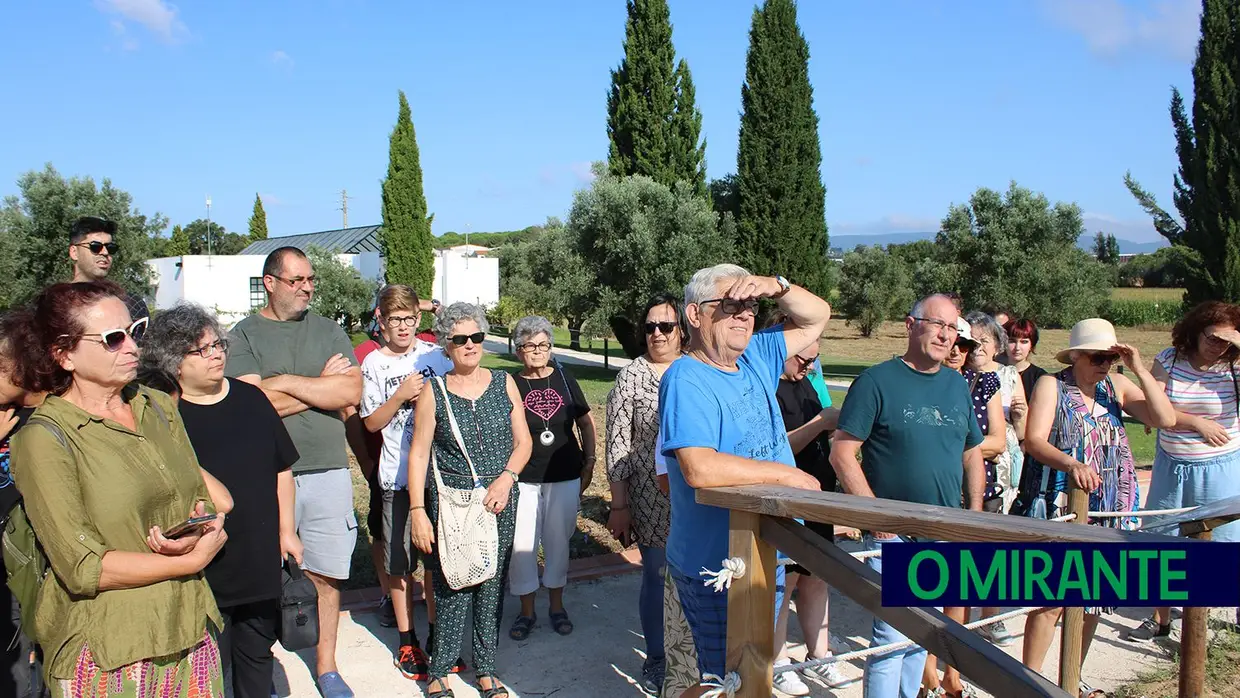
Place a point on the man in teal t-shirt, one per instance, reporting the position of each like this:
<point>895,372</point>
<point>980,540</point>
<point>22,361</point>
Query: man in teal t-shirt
<point>914,425</point>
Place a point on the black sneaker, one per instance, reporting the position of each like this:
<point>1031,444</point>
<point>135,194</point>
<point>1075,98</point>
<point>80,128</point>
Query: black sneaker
<point>387,615</point>
<point>652,676</point>
<point>411,661</point>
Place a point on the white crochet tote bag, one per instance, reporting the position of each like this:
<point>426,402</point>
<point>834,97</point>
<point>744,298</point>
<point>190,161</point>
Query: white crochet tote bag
<point>468,534</point>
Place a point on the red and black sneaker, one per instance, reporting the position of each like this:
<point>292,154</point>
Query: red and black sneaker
<point>459,667</point>
<point>411,661</point>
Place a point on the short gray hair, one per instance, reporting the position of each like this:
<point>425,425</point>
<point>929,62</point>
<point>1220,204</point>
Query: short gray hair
<point>172,333</point>
<point>531,326</point>
<point>985,323</point>
<point>705,282</point>
<point>448,318</point>
<point>919,308</point>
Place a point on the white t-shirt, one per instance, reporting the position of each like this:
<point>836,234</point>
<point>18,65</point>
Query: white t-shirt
<point>382,375</point>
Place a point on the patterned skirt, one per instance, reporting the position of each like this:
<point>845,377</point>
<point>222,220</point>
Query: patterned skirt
<point>682,666</point>
<point>194,673</point>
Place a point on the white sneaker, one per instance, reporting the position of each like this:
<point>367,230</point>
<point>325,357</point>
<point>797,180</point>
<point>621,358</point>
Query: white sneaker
<point>836,645</point>
<point>829,674</point>
<point>788,682</point>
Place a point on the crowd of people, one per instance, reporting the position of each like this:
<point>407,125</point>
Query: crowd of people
<point>120,426</point>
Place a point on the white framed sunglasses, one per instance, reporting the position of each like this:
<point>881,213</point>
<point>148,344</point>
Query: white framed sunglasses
<point>113,340</point>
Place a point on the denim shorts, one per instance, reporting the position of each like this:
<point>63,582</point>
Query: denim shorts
<point>1178,483</point>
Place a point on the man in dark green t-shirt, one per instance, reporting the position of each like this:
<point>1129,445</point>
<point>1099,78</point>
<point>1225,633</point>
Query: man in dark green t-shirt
<point>304,364</point>
<point>914,426</point>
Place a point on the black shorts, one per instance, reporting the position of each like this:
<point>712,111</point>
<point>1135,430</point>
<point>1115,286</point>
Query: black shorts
<point>374,518</point>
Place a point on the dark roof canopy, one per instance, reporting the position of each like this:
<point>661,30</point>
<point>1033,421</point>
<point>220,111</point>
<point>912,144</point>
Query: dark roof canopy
<point>339,241</point>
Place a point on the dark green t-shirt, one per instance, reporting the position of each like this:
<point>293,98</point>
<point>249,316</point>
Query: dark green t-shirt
<point>301,348</point>
<point>915,428</point>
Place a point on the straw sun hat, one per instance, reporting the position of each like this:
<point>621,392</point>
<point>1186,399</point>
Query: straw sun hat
<point>1094,334</point>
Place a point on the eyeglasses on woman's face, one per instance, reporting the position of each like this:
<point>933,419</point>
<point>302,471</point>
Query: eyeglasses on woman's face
<point>206,351</point>
<point>664,327</point>
<point>535,347</point>
<point>113,340</point>
<point>461,339</point>
<point>1102,358</point>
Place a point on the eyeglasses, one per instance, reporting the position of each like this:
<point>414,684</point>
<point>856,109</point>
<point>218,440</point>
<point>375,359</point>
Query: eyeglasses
<point>206,352</point>
<point>113,340</point>
<point>531,348</point>
<point>938,325</point>
<point>1102,359</point>
<point>664,327</point>
<point>401,321</point>
<point>97,247</point>
<point>730,306</point>
<point>461,339</point>
<point>804,362</point>
<point>298,280</point>
<point>965,345</point>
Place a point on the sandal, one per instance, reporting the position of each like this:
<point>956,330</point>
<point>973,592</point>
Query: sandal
<point>560,623</point>
<point>1088,692</point>
<point>443,692</point>
<point>497,689</point>
<point>521,627</point>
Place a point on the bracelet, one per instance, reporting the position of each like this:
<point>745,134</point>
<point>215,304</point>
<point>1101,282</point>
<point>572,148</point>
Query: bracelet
<point>415,508</point>
<point>513,475</point>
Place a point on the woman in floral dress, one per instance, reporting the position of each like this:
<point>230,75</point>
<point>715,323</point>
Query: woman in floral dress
<point>1076,427</point>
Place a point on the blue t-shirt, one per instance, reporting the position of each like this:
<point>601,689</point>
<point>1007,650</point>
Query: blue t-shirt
<point>702,406</point>
<point>916,427</point>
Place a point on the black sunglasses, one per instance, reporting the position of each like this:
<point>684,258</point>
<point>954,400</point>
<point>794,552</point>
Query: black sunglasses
<point>1103,359</point>
<point>113,340</point>
<point>730,306</point>
<point>664,327</point>
<point>97,247</point>
<point>461,339</point>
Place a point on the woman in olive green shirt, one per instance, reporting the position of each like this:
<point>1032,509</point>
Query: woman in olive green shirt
<point>103,466</point>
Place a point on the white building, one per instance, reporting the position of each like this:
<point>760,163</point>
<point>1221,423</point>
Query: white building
<point>232,285</point>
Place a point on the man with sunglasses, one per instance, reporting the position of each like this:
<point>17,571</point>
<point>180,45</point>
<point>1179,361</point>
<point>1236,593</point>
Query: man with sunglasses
<point>304,363</point>
<point>721,426</point>
<point>91,249</point>
<point>914,424</point>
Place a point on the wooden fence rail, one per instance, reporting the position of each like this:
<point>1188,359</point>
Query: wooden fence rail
<point>761,521</point>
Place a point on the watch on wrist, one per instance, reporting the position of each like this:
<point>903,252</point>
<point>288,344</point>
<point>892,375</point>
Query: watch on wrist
<point>513,475</point>
<point>784,285</point>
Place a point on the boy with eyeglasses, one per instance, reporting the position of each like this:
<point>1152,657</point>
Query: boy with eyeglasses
<point>393,377</point>
<point>91,249</point>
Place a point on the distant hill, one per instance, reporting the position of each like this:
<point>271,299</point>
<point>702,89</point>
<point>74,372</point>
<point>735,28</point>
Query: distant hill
<point>495,239</point>
<point>846,243</point>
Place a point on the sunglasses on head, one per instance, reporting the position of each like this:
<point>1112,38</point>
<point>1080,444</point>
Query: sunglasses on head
<point>1103,358</point>
<point>664,327</point>
<point>461,339</point>
<point>97,247</point>
<point>113,340</point>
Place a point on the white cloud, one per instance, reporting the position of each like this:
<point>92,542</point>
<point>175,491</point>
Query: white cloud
<point>894,223</point>
<point>281,59</point>
<point>583,171</point>
<point>128,42</point>
<point>157,16</point>
<point>1115,27</point>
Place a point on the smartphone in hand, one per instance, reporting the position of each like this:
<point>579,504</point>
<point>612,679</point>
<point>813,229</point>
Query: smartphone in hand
<point>191,524</point>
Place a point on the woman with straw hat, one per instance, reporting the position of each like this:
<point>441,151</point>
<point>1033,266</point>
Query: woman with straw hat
<point>1076,427</point>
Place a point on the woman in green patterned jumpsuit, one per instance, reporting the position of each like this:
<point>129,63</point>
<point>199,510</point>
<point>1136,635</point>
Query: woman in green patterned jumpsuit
<point>491,420</point>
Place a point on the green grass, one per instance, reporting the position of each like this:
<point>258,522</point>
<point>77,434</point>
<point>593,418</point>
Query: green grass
<point>1222,672</point>
<point>1173,295</point>
<point>562,339</point>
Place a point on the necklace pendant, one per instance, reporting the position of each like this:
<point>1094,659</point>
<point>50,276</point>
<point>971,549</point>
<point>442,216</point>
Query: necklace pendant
<point>546,438</point>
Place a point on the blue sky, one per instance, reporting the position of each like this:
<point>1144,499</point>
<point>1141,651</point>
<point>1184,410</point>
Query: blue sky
<point>920,102</point>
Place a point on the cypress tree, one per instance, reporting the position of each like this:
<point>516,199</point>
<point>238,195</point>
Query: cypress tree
<point>781,224</point>
<point>258,220</point>
<point>642,100</point>
<point>689,146</point>
<point>1207,187</point>
<point>406,237</point>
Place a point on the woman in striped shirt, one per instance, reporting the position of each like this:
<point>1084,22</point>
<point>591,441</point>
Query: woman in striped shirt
<point>1198,460</point>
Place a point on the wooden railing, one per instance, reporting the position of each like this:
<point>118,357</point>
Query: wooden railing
<point>762,520</point>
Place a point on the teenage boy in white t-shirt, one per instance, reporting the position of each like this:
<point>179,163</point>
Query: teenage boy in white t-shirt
<point>393,377</point>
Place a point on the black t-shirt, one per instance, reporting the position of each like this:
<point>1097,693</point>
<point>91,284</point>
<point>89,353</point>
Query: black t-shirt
<point>799,403</point>
<point>553,404</point>
<point>1029,378</point>
<point>241,440</point>
<point>8,492</point>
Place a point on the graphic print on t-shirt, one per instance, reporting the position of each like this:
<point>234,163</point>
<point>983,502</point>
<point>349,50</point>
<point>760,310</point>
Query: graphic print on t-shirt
<point>933,416</point>
<point>752,414</point>
<point>382,376</point>
<point>544,403</point>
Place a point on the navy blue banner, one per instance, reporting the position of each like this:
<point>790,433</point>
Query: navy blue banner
<point>1175,573</point>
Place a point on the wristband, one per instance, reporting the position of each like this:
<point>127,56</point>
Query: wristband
<point>416,507</point>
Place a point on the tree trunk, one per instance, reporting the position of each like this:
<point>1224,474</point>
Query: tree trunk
<point>574,334</point>
<point>626,333</point>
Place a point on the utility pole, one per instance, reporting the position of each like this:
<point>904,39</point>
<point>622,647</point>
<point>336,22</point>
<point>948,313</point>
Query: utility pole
<point>208,225</point>
<point>344,208</point>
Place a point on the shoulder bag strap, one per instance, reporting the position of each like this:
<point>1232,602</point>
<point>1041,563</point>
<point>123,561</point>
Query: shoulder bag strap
<point>456,432</point>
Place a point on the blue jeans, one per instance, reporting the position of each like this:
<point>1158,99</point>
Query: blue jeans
<point>895,674</point>
<point>1179,483</point>
<point>650,600</point>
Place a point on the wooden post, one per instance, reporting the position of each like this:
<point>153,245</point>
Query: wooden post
<point>1193,645</point>
<point>606,354</point>
<point>1073,618</point>
<point>751,608</point>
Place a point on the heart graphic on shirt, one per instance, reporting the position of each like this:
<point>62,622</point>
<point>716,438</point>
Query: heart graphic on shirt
<point>544,403</point>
